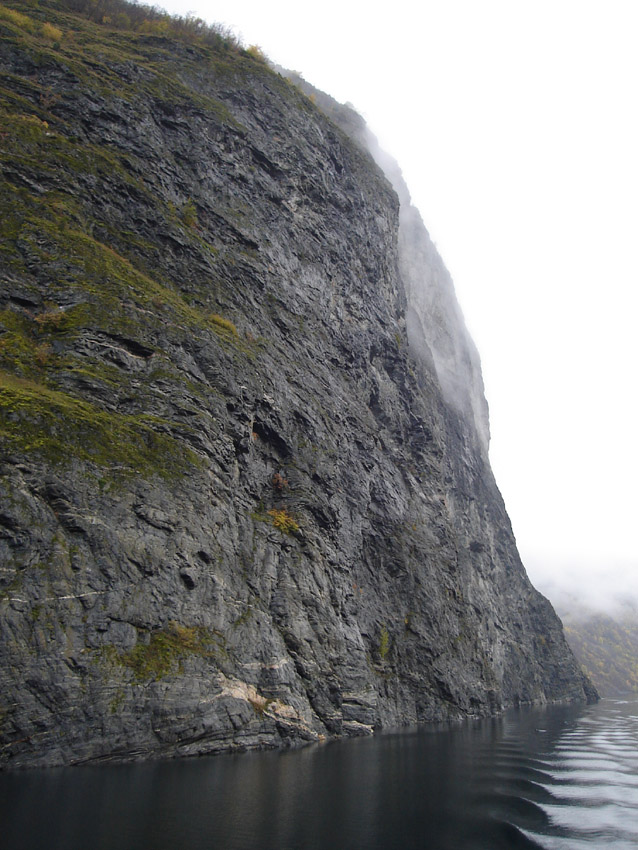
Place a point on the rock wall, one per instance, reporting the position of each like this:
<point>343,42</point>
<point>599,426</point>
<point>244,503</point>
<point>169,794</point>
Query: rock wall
<point>240,503</point>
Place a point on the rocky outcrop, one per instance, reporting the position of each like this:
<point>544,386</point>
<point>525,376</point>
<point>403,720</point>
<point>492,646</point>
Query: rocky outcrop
<point>244,495</point>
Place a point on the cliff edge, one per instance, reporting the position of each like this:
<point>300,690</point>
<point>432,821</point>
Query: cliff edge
<point>245,498</point>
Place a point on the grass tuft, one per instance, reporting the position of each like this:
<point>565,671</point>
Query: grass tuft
<point>166,650</point>
<point>224,325</point>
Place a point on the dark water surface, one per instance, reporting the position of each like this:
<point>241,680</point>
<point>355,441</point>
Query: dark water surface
<point>561,778</point>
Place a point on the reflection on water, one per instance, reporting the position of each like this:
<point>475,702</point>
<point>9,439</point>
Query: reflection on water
<point>558,778</point>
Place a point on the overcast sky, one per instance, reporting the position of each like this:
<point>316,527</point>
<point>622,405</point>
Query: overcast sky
<point>516,127</point>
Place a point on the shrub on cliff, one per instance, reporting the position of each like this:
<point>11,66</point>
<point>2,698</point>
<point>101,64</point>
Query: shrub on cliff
<point>120,14</point>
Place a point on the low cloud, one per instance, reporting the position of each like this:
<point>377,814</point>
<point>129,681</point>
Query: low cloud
<point>610,588</point>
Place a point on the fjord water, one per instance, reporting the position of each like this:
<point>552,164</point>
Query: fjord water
<point>562,777</point>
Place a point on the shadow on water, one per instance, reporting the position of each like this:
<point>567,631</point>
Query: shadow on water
<point>484,785</point>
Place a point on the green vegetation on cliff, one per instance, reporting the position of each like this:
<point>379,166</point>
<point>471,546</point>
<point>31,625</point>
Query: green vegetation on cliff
<point>164,651</point>
<point>89,290</point>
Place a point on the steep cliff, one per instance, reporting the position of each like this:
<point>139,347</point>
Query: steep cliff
<point>244,489</point>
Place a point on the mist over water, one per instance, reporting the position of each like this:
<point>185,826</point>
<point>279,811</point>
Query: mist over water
<point>563,778</point>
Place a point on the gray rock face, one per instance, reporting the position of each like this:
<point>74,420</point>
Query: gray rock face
<point>244,495</point>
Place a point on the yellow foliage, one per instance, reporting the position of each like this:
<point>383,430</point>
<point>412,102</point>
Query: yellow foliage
<point>384,642</point>
<point>255,52</point>
<point>223,324</point>
<point>283,521</point>
<point>51,32</point>
<point>17,18</point>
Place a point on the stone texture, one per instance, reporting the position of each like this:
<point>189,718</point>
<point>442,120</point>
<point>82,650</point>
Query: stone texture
<point>245,498</point>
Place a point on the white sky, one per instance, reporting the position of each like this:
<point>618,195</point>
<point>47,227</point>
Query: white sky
<point>516,126</point>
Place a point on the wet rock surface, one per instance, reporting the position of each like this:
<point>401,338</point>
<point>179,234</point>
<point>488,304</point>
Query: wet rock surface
<point>238,505</point>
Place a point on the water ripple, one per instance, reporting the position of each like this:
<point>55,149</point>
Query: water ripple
<point>592,783</point>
